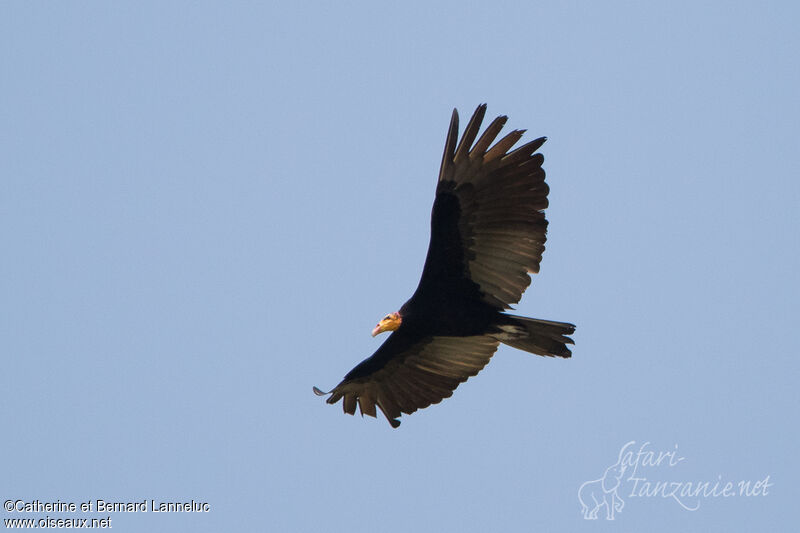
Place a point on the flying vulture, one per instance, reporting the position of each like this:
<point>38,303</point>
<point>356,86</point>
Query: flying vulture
<point>487,235</point>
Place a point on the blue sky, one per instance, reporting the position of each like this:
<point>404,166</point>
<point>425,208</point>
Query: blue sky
<point>205,208</point>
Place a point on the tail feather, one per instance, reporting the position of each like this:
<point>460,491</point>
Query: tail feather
<point>541,337</point>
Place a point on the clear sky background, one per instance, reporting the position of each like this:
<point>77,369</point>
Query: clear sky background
<point>205,208</point>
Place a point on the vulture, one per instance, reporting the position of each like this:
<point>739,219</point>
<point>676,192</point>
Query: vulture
<point>488,232</point>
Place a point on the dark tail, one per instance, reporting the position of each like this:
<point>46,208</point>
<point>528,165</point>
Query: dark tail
<point>542,337</point>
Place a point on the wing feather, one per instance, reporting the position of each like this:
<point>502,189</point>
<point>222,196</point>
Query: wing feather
<point>366,403</point>
<point>488,136</point>
<point>446,169</point>
<point>470,132</point>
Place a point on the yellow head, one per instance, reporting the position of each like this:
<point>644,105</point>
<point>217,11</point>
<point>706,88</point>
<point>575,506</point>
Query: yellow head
<point>390,322</point>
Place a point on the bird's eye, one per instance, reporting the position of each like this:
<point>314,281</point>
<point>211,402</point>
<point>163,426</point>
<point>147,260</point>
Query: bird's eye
<point>387,317</point>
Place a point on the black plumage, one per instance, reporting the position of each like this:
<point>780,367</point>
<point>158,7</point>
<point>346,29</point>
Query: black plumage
<point>488,232</point>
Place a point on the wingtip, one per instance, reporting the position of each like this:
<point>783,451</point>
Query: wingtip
<point>395,423</point>
<point>319,392</point>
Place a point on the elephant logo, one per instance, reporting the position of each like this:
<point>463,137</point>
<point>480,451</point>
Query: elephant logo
<point>602,492</point>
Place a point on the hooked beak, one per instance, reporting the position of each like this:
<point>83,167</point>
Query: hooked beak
<point>377,330</point>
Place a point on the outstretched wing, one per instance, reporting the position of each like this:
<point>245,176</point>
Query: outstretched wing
<point>408,373</point>
<point>488,227</point>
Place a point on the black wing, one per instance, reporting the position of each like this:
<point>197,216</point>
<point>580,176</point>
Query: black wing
<point>408,373</point>
<point>487,225</point>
